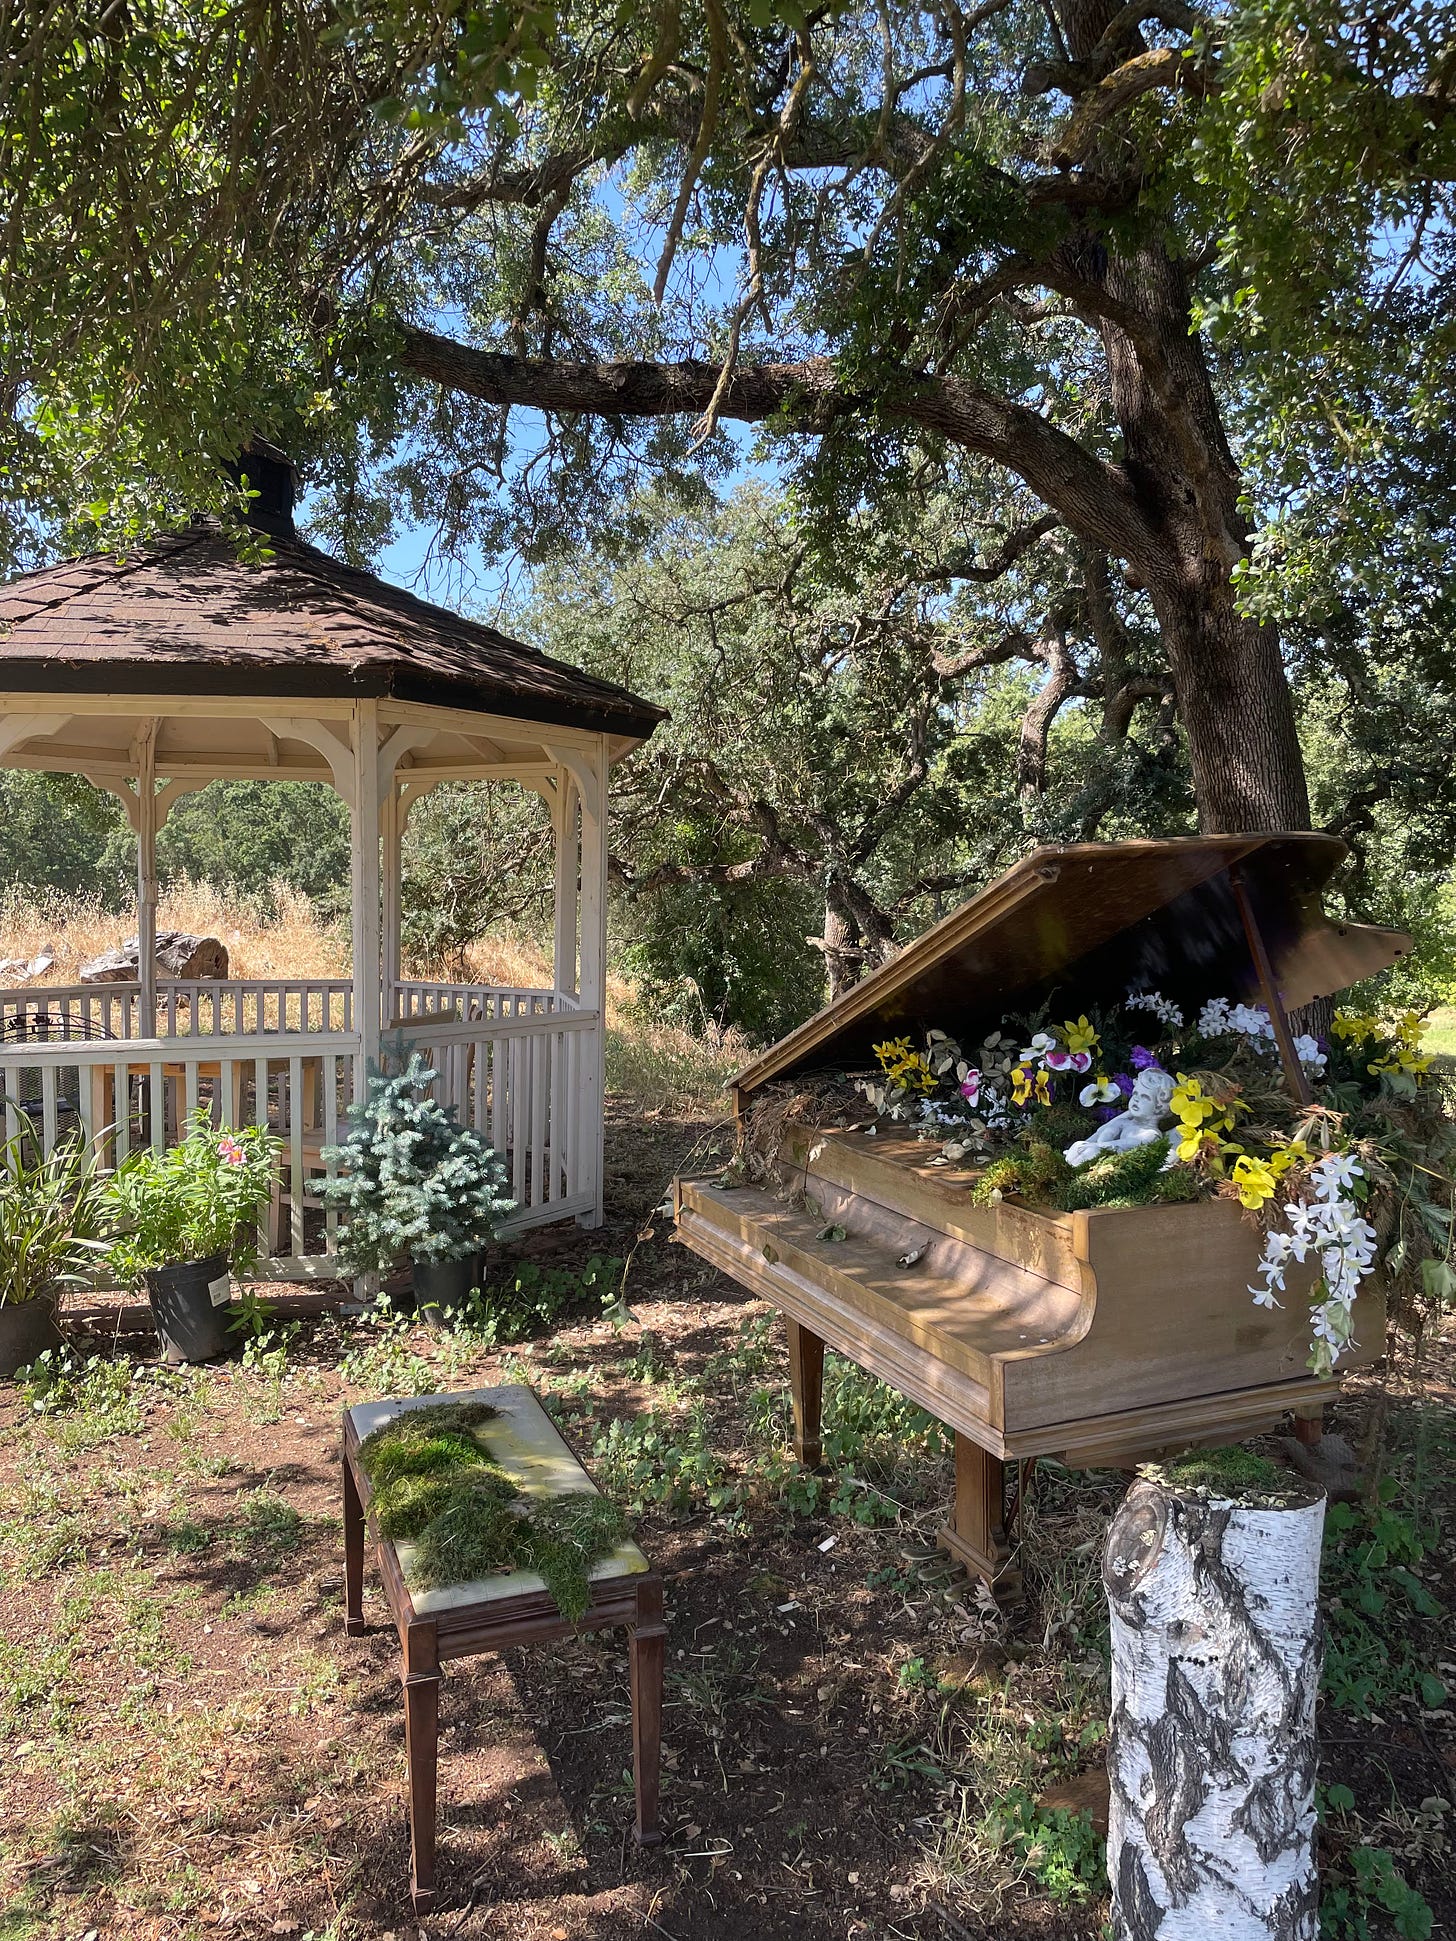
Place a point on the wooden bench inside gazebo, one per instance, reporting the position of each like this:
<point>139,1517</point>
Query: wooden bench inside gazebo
<point>183,663</point>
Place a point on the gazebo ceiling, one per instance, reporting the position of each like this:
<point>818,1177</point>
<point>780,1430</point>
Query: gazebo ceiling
<point>185,617</point>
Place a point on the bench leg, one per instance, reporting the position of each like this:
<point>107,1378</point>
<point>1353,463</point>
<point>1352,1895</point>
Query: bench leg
<point>647,1649</point>
<point>976,1535</point>
<point>353,1555</point>
<point>422,1750</point>
<point>806,1386</point>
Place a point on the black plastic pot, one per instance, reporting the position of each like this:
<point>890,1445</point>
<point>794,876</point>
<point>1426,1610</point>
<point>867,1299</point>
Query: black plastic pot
<point>27,1329</point>
<point>190,1308</point>
<point>440,1285</point>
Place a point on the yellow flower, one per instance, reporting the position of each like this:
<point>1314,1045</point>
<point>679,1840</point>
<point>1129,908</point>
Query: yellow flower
<point>1284,1157</point>
<point>1080,1036</point>
<point>1029,1084</point>
<point>903,1066</point>
<point>1254,1181</point>
<point>1355,1024</point>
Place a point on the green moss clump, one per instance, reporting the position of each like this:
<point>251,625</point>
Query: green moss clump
<point>435,1485</point>
<point>1178,1186</point>
<point>1039,1173</point>
<point>1231,1472</point>
<point>1119,1179</point>
<point>408,1505</point>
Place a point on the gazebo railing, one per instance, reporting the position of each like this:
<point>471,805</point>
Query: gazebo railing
<point>194,1007</point>
<point>519,1066</point>
<point>522,1074</point>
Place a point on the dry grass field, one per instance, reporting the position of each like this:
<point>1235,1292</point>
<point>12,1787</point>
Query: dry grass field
<point>662,1068</point>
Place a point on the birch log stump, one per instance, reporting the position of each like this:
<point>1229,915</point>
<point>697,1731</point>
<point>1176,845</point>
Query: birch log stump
<point>1215,1671</point>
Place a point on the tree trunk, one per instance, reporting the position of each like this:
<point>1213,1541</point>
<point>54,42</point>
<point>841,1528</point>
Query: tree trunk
<point>1211,1753</point>
<point>1236,708</point>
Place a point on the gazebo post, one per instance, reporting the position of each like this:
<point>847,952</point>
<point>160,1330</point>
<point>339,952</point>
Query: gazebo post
<point>568,877</point>
<point>392,812</point>
<point>592,991</point>
<point>146,827</point>
<point>364,822</point>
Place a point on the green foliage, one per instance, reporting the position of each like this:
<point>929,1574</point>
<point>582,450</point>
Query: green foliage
<point>1370,1885</point>
<point>248,837</point>
<point>524,1299</point>
<point>62,833</point>
<point>1376,1608</point>
<point>436,1484</point>
<point>414,1183</point>
<point>190,1201</point>
<point>1061,1850</point>
<point>55,1216</point>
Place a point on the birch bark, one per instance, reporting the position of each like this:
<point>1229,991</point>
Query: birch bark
<point>1212,1749</point>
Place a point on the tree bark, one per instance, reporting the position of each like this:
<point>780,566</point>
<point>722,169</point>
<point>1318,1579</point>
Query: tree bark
<point>1211,1752</point>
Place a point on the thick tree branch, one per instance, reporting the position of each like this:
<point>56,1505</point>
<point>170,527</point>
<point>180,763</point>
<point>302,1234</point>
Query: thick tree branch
<point>1092,496</point>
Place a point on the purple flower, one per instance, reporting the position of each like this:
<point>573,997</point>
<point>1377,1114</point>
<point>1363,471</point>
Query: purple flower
<point>1124,1083</point>
<point>1143,1060</point>
<point>1105,1112</point>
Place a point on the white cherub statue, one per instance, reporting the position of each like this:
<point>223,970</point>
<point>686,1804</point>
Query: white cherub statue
<point>1139,1125</point>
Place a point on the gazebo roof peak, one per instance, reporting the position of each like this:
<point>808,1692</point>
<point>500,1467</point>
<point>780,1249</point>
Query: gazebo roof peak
<point>184,615</point>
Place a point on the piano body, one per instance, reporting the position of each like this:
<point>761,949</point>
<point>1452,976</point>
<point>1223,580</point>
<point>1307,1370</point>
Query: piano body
<point>1100,1337</point>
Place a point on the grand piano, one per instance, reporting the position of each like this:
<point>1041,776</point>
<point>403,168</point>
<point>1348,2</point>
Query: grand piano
<point>1105,1337</point>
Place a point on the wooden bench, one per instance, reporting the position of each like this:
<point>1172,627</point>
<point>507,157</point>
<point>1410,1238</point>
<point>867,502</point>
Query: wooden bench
<point>510,1607</point>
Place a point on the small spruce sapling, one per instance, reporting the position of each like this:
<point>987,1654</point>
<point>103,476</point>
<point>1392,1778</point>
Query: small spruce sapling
<point>414,1183</point>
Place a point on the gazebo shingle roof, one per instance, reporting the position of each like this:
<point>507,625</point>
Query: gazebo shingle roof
<point>185,615</point>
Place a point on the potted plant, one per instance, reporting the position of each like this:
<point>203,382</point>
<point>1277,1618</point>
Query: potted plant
<point>188,1221</point>
<point>417,1186</point>
<point>53,1224</point>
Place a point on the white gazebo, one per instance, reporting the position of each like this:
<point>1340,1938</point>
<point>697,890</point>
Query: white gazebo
<point>183,664</point>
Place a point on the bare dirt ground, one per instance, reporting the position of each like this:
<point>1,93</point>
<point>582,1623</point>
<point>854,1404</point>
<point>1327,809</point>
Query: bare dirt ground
<point>855,1743</point>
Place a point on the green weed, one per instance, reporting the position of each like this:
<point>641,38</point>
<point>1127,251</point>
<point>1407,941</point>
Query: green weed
<point>1062,1851</point>
<point>1375,1605</point>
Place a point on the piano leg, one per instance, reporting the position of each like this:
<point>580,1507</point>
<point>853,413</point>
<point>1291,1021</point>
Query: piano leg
<point>806,1386</point>
<point>976,1534</point>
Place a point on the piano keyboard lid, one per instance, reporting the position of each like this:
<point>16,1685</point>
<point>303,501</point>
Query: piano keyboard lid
<point>1094,921</point>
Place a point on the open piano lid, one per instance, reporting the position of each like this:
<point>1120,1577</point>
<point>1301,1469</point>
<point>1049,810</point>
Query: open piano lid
<point>1093,921</point>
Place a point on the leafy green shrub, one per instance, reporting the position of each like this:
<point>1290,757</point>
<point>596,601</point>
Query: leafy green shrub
<point>192,1200</point>
<point>1375,1887</point>
<point>54,1216</point>
<point>414,1183</point>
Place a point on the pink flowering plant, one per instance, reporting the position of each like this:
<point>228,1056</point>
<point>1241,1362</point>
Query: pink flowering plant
<point>191,1201</point>
<point>1357,1181</point>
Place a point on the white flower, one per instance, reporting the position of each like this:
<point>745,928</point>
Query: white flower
<point>1264,1296</point>
<point>1035,1053</point>
<point>1307,1051</point>
<point>1102,1091</point>
<point>1335,1174</point>
<point>1252,1021</point>
<point>1213,1019</point>
<point>1162,1008</point>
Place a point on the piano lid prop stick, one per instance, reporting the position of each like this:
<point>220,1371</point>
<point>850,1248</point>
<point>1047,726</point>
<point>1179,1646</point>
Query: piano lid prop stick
<point>1273,1003</point>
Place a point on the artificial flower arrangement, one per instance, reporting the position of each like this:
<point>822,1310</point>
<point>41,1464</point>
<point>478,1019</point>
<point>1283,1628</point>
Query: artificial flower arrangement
<point>1074,1114</point>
